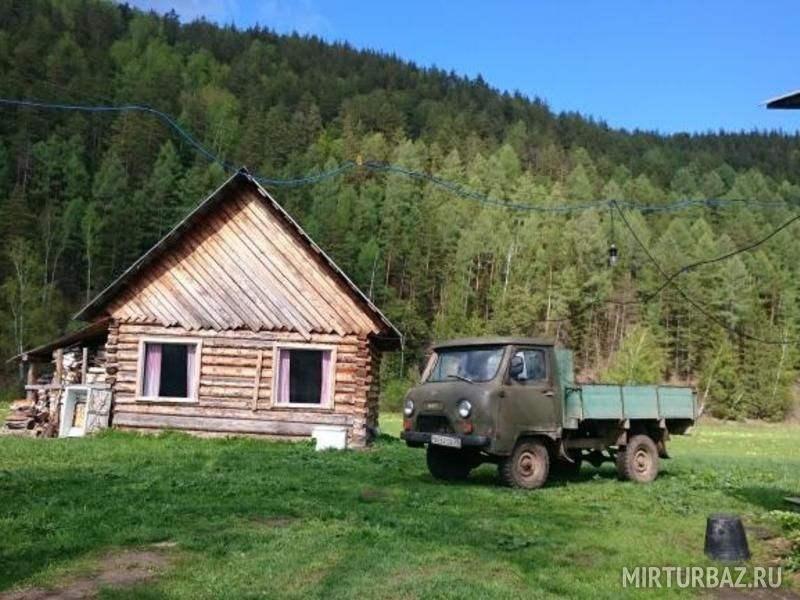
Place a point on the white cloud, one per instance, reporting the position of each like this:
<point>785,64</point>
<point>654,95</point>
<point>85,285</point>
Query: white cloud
<point>220,11</point>
<point>293,15</point>
<point>282,15</point>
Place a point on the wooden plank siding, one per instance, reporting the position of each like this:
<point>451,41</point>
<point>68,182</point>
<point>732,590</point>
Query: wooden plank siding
<point>231,386</point>
<point>238,274</point>
<point>242,267</point>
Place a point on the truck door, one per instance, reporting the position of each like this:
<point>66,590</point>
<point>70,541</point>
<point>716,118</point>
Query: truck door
<point>530,402</point>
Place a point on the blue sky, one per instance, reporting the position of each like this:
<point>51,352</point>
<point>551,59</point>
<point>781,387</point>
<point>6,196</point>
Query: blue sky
<point>669,65</point>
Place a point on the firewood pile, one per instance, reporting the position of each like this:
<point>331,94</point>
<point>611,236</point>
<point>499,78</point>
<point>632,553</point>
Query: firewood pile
<point>39,416</point>
<point>96,373</point>
<point>73,366</point>
<point>31,417</point>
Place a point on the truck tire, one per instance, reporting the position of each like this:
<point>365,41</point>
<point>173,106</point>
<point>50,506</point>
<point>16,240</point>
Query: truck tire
<point>638,460</point>
<point>528,466</point>
<point>448,464</point>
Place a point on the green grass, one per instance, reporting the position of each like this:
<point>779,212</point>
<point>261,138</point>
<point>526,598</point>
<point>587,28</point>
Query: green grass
<point>253,518</point>
<point>7,396</point>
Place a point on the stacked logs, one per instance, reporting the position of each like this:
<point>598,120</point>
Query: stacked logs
<point>21,415</point>
<point>39,415</point>
<point>73,368</point>
<point>31,417</point>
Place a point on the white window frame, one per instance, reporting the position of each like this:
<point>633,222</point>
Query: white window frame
<point>194,398</point>
<point>326,396</point>
<point>68,411</point>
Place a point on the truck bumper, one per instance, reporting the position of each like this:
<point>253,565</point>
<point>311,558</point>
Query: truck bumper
<point>417,438</point>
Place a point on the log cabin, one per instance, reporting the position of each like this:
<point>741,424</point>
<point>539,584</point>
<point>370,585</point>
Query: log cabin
<point>234,323</point>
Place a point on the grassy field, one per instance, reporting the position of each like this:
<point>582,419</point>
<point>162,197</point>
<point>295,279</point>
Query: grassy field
<point>257,519</point>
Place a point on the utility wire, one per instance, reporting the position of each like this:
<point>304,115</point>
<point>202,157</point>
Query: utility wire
<point>381,167</point>
<point>473,195</point>
<point>669,279</point>
<point>120,109</point>
<point>699,307</point>
<point>469,194</point>
<point>709,261</point>
<point>308,179</point>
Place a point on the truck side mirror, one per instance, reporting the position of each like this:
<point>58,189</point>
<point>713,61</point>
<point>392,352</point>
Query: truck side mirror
<point>516,367</point>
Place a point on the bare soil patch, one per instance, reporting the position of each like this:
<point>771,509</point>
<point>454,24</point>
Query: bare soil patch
<point>122,569</point>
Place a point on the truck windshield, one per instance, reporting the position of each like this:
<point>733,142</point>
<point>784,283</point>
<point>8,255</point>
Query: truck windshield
<point>471,364</point>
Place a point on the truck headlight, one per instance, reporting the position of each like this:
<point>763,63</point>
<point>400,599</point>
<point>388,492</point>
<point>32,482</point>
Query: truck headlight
<point>408,409</point>
<point>464,409</point>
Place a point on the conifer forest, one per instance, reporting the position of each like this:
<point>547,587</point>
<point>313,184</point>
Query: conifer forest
<point>459,209</point>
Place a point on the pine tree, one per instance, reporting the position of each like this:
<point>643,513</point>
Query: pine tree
<point>85,194</point>
<point>721,389</point>
<point>110,196</point>
<point>638,360</point>
<point>161,200</point>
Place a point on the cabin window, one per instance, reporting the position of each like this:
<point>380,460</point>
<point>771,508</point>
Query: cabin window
<point>169,370</point>
<point>534,368</point>
<point>304,376</point>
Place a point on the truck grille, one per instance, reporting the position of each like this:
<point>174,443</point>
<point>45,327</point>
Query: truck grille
<point>433,424</point>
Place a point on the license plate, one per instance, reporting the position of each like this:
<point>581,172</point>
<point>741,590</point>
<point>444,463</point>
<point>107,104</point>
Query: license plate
<point>446,440</point>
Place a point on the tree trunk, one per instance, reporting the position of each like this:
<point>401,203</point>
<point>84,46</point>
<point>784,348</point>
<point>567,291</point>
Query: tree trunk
<point>549,300</point>
<point>509,256</point>
<point>779,370</point>
<point>372,277</point>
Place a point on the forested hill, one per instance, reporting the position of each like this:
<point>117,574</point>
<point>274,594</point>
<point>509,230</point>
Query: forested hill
<point>83,194</point>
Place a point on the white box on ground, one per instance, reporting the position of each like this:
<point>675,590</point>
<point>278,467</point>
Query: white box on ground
<point>330,437</point>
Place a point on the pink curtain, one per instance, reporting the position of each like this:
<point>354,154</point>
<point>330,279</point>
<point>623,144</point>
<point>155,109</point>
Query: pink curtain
<point>190,364</point>
<point>283,376</point>
<point>152,369</point>
<point>326,377</point>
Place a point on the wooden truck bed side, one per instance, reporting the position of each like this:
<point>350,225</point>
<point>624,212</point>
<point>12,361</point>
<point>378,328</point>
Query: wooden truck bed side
<point>599,401</point>
<point>620,402</point>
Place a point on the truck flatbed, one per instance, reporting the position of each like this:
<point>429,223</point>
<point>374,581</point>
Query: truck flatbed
<point>621,402</point>
<point>608,401</point>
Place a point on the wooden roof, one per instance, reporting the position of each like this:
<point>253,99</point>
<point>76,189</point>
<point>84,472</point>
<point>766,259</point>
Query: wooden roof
<point>239,261</point>
<point>97,331</point>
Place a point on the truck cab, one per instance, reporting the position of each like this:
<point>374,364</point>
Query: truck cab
<point>513,401</point>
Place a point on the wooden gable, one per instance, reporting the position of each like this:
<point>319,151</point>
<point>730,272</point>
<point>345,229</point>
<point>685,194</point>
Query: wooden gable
<point>240,262</point>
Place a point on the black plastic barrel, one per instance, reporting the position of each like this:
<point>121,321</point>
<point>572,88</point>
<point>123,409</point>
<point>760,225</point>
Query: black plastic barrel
<point>725,538</point>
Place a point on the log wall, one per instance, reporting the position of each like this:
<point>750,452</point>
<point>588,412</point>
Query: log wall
<point>236,385</point>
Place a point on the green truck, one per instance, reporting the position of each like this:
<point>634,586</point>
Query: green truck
<point>514,402</point>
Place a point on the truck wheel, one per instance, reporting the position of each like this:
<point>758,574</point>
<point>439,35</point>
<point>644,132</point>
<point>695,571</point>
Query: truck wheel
<point>638,461</point>
<point>527,467</point>
<point>447,463</point>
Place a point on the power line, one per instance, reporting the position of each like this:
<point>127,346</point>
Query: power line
<point>308,179</point>
<point>604,204</point>
<point>120,109</point>
<point>710,261</point>
<point>669,279</point>
<point>699,307</point>
<point>475,196</point>
<point>381,167</point>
